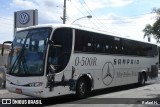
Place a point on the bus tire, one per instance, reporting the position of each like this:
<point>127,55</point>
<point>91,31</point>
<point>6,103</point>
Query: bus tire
<point>81,89</point>
<point>142,80</point>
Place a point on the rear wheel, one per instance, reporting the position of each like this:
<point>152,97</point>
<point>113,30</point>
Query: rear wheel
<point>142,80</point>
<point>81,89</point>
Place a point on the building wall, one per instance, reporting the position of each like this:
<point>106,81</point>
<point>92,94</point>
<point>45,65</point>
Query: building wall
<point>3,59</point>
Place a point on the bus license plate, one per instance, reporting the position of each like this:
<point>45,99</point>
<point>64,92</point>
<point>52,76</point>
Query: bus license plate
<point>19,91</point>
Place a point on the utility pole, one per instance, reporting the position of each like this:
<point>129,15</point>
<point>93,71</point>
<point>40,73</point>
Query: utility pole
<point>64,12</point>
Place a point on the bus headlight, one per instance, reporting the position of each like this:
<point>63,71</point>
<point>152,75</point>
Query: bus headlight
<point>36,84</point>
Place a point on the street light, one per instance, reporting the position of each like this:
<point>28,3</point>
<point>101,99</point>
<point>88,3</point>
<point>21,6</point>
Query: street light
<point>82,18</point>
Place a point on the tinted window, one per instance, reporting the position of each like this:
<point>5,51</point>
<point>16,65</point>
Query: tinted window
<point>59,56</point>
<point>91,42</point>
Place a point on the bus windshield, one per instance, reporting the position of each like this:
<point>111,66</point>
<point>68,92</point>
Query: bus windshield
<point>27,54</point>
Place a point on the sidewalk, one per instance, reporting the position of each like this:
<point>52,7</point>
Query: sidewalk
<point>3,91</point>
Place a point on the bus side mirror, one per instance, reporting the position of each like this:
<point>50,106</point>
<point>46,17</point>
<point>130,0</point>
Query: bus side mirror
<point>50,42</point>
<point>53,44</point>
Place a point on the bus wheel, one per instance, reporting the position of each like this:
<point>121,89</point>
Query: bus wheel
<point>81,89</point>
<point>142,79</point>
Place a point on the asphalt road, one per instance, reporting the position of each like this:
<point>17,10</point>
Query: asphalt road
<point>124,96</point>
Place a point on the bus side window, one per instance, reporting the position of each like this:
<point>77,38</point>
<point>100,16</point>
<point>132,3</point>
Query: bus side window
<point>80,44</point>
<point>89,46</point>
<point>89,43</point>
<point>98,43</point>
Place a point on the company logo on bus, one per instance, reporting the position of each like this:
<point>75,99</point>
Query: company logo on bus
<point>108,73</point>
<point>23,18</point>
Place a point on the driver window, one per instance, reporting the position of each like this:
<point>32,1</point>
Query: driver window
<point>59,56</point>
<point>54,56</point>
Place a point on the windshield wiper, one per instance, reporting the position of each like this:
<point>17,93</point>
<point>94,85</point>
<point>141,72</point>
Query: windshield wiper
<point>19,62</point>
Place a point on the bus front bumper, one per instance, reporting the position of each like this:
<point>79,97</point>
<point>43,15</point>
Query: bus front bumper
<point>29,91</point>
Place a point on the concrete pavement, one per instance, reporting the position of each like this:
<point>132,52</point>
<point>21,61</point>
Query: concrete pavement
<point>3,91</point>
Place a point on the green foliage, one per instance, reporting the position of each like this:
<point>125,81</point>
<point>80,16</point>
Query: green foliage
<point>147,30</point>
<point>155,28</point>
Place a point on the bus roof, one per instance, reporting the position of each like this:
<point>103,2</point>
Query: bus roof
<point>70,26</point>
<point>54,26</point>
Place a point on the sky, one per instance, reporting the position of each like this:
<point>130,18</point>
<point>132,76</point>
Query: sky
<point>124,18</point>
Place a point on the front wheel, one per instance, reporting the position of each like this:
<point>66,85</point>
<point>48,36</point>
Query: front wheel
<point>81,89</point>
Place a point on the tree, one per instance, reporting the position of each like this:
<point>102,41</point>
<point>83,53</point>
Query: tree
<point>148,31</point>
<point>155,28</point>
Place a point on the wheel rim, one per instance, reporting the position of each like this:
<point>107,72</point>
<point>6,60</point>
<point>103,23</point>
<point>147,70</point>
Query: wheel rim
<point>82,88</point>
<point>143,81</point>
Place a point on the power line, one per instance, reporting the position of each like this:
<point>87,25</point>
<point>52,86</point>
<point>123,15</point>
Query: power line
<point>124,18</point>
<point>104,27</point>
<point>92,12</point>
<point>85,9</point>
<point>83,14</point>
<point>78,9</point>
<point>114,22</point>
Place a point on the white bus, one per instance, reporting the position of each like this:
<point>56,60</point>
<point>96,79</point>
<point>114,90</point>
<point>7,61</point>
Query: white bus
<point>53,60</point>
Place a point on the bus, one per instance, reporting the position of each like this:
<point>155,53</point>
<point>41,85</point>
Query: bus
<point>52,60</point>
